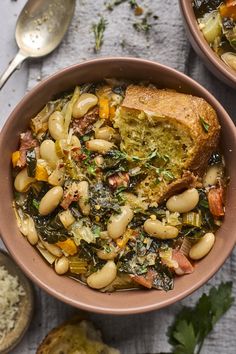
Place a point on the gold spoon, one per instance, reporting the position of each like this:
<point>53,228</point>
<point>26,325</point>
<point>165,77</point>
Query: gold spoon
<point>39,30</point>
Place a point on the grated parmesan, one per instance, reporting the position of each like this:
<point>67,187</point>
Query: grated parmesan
<point>10,292</point>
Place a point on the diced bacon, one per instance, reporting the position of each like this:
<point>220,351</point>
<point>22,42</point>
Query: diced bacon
<point>27,142</point>
<point>184,266</point>
<point>144,280</point>
<point>70,195</point>
<point>215,199</point>
<point>84,124</point>
<point>120,179</point>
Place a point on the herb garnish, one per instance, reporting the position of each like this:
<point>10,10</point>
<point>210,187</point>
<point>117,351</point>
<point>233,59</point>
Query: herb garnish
<point>98,30</point>
<point>143,25</point>
<point>204,124</point>
<point>192,325</point>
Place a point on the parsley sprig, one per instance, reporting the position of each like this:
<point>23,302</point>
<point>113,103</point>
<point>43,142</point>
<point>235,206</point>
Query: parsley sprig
<point>192,325</point>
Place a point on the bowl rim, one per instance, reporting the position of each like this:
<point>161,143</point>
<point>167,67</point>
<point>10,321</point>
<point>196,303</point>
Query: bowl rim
<point>212,58</point>
<point>45,285</point>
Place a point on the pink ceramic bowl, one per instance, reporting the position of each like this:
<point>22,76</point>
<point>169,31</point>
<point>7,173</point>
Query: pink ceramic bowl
<point>62,287</point>
<point>202,48</point>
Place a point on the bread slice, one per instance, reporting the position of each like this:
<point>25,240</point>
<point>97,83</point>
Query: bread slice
<point>182,129</point>
<point>77,336</point>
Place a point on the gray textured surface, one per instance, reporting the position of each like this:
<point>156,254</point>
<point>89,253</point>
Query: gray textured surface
<point>166,43</point>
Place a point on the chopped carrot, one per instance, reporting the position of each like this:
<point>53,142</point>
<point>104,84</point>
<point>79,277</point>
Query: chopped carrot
<point>41,173</point>
<point>215,200</point>
<point>104,110</point>
<point>228,11</point>
<point>122,241</point>
<point>230,3</point>
<point>15,158</point>
<point>68,246</point>
<point>112,112</point>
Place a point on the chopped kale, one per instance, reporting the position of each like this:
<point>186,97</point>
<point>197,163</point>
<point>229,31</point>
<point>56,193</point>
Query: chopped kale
<point>31,162</point>
<point>215,158</point>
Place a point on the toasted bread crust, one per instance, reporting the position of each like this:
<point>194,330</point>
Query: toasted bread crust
<point>182,108</point>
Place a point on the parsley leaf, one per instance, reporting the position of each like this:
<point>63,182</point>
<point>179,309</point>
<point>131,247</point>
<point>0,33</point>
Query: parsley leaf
<point>192,325</point>
<point>204,124</point>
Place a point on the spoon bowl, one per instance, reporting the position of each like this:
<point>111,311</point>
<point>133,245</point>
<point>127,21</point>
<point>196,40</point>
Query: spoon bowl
<point>40,28</point>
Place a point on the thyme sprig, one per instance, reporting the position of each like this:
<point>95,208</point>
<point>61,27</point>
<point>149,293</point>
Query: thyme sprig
<point>98,30</point>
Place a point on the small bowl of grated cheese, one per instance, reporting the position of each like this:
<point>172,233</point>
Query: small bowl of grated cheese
<point>16,303</point>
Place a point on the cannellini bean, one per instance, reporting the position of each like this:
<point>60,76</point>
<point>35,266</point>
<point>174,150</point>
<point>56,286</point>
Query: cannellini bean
<point>184,202</point>
<point>211,175</point>
<point>102,254</point>
<point>57,177</point>
<point>99,145</point>
<point>56,125</point>
<point>62,265</point>
<point>66,218</point>
<point>99,160</point>
<point>103,277</point>
<point>23,181</point>
<point>50,200</point>
<point>75,142</point>
<point>83,190</point>
<point>32,235</point>
<point>202,247</point>
<point>48,152</point>
<point>155,228</point>
<point>118,223</point>
<point>84,103</point>
<point>105,133</point>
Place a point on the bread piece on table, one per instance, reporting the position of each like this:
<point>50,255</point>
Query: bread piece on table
<point>77,336</point>
<point>181,128</point>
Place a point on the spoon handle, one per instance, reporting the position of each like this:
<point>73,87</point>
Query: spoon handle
<point>19,58</point>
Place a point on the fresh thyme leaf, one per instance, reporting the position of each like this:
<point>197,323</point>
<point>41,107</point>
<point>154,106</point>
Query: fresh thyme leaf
<point>98,30</point>
<point>204,124</point>
<point>192,325</point>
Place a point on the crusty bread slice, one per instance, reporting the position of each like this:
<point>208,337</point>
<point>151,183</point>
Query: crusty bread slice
<point>183,129</point>
<point>77,336</point>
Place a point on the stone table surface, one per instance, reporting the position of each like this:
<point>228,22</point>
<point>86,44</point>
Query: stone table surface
<point>166,43</point>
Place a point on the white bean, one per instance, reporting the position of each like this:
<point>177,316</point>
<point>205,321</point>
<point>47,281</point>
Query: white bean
<point>57,177</point>
<point>23,181</point>
<point>211,175</point>
<point>105,133</point>
<point>202,247</point>
<point>75,142</point>
<point>32,235</point>
<point>50,200</point>
<point>83,190</point>
<point>66,218</point>
<point>99,145</point>
<point>102,254</point>
<point>84,103</point>
<point>103,276</point>
<point>99,160</point>
<point>156,229</point>
<point>56,125</point>
<point>184,202</point>
<point>48,152</point>
<point>118,223</point>
<point>62,265</point>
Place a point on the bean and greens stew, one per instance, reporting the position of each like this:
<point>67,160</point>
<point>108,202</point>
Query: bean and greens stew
<point>217,21</point>
<point>76,199</point>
